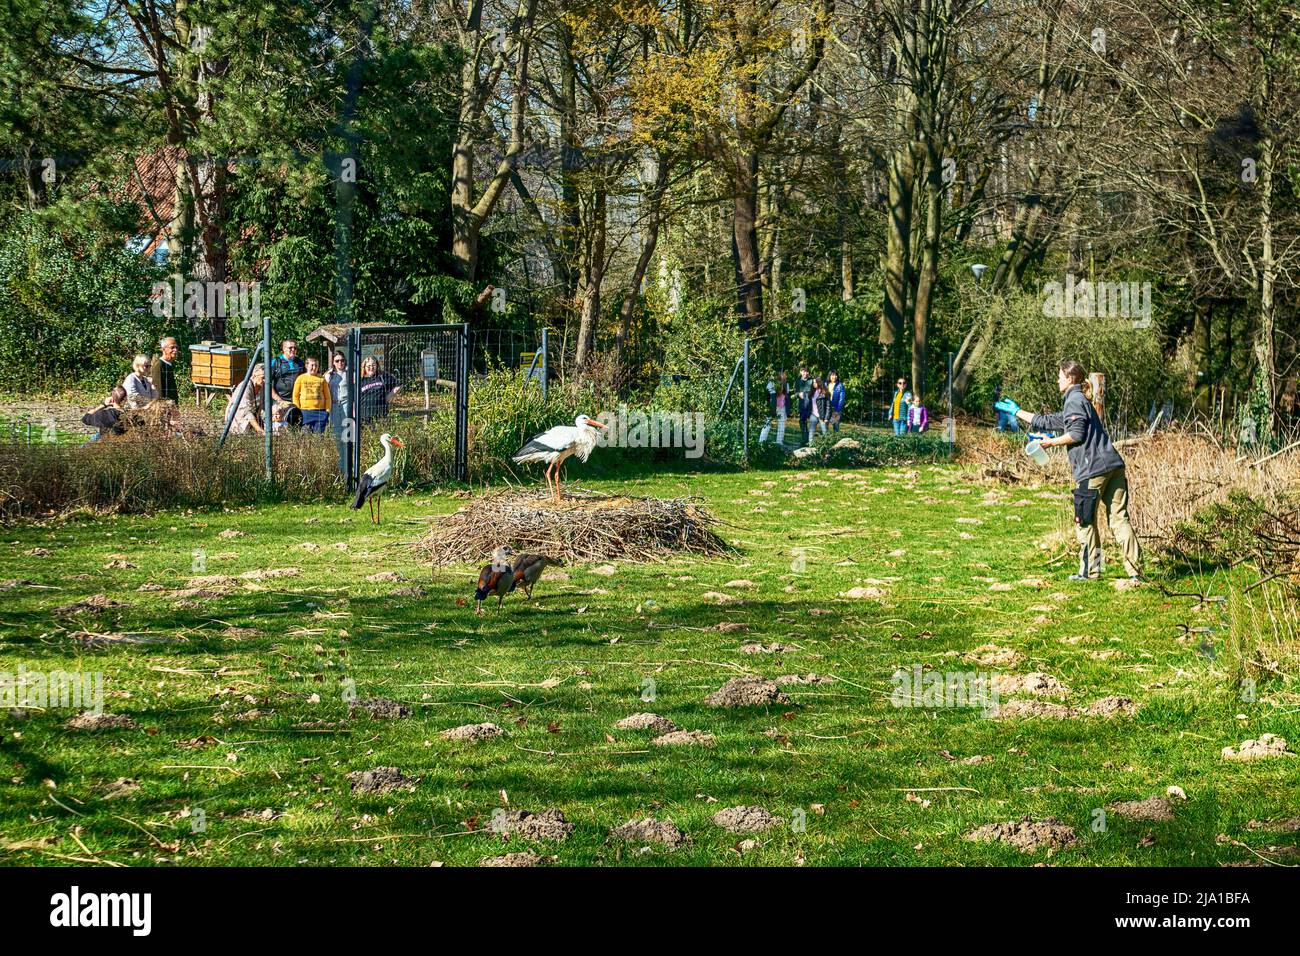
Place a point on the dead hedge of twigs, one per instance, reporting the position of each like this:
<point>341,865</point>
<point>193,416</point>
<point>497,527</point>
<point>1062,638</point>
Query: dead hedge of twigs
<point>1173,475</point>
<point>581,527</point>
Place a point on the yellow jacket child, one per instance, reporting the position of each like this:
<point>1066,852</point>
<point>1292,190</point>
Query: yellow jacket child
<point>311,393</point>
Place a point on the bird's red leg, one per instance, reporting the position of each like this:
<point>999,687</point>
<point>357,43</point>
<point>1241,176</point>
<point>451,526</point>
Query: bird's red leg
<point>379,504</point>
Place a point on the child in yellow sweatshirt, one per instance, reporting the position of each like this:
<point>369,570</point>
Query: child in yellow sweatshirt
<point>311,394</point>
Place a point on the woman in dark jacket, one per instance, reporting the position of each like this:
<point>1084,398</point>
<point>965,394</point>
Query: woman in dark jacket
<point>377,387</point>
<point>836,388</point>
<point>107,418</point>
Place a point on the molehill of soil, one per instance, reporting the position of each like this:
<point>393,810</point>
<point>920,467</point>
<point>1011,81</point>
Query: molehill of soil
<point>1026,834</point>
<point>744,819</point>
<point>747,692</point>
<point>650,830</point>
<point>547,825</point>
<point>381,780</point>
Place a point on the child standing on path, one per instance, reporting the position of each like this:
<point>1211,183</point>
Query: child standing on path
<point>803,389</point>
<point>821,400</point>
<point>778,403</point>
<point>918,419</point>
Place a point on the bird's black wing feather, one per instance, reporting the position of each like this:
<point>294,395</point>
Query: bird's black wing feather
<point>533,447</point>
<point>363,491</point>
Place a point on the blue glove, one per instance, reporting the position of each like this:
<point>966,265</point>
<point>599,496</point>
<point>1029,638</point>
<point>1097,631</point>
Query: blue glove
<point>1006,405</point>
<point>1036,436</point>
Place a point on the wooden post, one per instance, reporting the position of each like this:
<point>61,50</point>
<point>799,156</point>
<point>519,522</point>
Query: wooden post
<point>1097,383</point>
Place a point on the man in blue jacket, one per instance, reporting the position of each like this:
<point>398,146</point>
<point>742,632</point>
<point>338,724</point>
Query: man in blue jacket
<point>1098,470</point>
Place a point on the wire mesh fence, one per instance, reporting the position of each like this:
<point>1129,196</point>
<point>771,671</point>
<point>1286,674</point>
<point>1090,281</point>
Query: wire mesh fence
<point>405,375</point>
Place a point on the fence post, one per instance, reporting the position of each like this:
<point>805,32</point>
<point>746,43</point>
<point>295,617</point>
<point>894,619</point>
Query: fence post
<point>352,428</point>
<point>950,430</point>
<point>462,407</point>
<point>546,362</point>
<point>744,415</point>
<point>268,425</point>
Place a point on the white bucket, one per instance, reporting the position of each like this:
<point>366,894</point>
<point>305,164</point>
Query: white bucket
<point>1035,451</point>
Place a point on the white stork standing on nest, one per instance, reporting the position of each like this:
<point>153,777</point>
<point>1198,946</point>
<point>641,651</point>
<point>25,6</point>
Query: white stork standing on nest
<point>555,445</point>
<point>370,488</point>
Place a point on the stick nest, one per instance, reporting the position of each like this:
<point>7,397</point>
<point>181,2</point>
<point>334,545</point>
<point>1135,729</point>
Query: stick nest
<point>581,527</point>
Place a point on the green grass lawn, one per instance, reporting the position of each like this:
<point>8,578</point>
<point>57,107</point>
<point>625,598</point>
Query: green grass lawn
<point>260,676</point>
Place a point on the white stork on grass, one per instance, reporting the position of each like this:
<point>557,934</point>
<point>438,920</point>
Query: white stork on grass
<point>556,444</point>
<point>370,488</point>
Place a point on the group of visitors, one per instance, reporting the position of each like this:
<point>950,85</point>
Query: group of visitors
<point>819,403</point>
<point>906,412</point>
<point>303,397</point>
<point>149,381</point>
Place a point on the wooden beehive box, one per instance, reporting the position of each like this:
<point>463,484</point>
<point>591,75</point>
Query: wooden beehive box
<point>212,363</point>
<point>201,363</point>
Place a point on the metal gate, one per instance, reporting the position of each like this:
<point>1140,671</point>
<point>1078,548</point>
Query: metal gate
<point>411,381</point>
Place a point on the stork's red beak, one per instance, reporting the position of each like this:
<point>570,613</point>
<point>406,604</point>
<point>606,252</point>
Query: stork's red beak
<point>396,443</point>
<point>593,422</point>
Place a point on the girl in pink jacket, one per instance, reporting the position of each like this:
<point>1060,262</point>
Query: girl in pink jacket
<point>918,419</point>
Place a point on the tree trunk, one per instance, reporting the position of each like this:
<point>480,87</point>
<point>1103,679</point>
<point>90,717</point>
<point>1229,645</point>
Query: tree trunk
<point>901,177</point>
<point>744,240</point>
<point>468,214</point>
<point>570,224</point>
<point>1202,391</point>
<point>464,229</point>
<point>212,263</point>
<point>928,274</point>
<point>593,274</point>
<point>1265,353</point>
<point>898,230</point>
<point>652,223</point>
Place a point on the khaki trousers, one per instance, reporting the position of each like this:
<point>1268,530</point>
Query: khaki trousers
<point>1112,489</point>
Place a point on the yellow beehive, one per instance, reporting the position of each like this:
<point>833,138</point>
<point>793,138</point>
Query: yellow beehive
<point>201,363</point>
<point>217,364</point>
